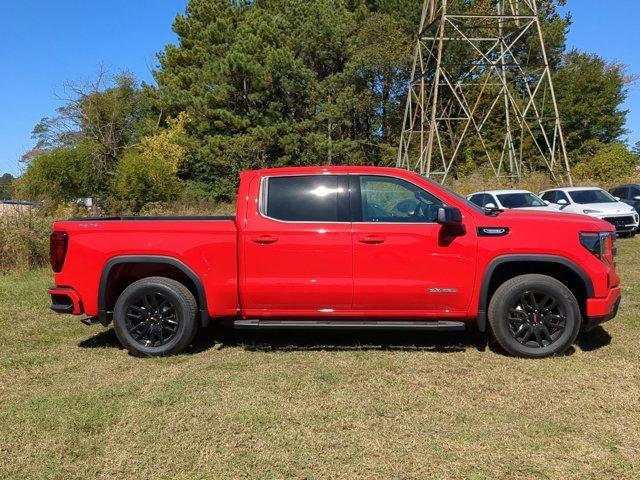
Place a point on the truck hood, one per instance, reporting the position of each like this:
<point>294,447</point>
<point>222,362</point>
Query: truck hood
<point>538,209</point>
<point>547,220</point>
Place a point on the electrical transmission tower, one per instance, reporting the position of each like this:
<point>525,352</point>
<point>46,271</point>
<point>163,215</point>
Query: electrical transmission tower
<point>481,86</point>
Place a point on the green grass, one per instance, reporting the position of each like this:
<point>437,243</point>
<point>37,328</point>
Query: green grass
<point>310,405</point>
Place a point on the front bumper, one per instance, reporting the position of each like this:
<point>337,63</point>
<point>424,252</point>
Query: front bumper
<point>600,310</point>
<point>627,223</point>
<point>65,300</point>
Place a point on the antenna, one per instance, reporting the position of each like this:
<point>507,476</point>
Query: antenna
<point>481,82</point>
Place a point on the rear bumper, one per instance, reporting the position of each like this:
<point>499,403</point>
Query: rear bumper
<point>65,300</point>
<point>600,310</point>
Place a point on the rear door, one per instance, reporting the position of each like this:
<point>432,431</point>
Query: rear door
<point>297,250</point>
<point>404,264</point>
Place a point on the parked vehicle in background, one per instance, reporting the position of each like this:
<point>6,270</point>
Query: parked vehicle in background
<point>507,199</point>
<point>595,202</point>
<point>341,248</point>
<point>629,194</point>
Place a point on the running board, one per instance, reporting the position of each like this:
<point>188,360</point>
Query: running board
<point>442,325</point>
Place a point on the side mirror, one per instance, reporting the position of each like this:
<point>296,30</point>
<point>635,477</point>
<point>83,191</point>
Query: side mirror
<point>637,197</point>
<point>448,216</point>
<point>490,205</point>
<point>617,198</point>
<point>562,201</point>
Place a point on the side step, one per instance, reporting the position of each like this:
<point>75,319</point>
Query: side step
<point>441,325</point>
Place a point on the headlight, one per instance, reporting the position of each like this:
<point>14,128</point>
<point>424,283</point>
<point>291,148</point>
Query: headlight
<point>588,211</point>
<point>601,244</point>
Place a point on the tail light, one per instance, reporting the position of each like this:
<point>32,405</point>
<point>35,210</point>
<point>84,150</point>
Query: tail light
<point>58,250</point>
<point>602,245</point>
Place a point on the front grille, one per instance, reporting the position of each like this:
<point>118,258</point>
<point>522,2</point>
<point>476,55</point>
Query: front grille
<point>620,222</point>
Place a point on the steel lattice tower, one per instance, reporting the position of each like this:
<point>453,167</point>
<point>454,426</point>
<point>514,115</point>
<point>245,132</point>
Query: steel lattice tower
<point>482,79</point>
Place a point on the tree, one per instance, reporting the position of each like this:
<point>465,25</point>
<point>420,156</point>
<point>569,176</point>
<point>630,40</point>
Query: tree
<point>110,114</point>
<point>611,162</point>
<point>148,172</point>
<point>288,82</point>
<point>590,92</point>
<point>6,182</point>
<point>60,175</point>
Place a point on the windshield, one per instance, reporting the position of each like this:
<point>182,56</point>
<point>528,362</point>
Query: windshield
<point>591,196</point>
<point>457,196</point>
<point>520,200</point>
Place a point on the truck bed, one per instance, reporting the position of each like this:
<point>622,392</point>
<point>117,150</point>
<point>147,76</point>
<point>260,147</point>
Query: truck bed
<point>205,246</point>
<point>153,218</point>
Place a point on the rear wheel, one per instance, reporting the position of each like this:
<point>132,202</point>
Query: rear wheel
<point>534,316</point>
<point>155,316</point>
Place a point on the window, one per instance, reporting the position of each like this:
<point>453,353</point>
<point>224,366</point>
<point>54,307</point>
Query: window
<point>388,199</point>
<point>562,196</point>
<point>520,200</point>
<point>477,199</point>
<point>554,196</point>
<point>586,197</point>
<point>490,199</point>
<point>621,192</point>
<point>549,196</point>
<point>311,198</point>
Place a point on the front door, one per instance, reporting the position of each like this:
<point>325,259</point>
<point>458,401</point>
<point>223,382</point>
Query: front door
<point>405,264</point>
<point>297,250</point>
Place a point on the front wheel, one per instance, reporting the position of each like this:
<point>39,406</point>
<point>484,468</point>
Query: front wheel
<point>534,316</point>
<point>155,316</point>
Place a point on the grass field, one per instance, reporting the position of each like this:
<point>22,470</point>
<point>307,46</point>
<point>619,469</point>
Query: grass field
<point>308,405</point>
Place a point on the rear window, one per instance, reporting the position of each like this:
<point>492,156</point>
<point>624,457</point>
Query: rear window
<point>311,198</point>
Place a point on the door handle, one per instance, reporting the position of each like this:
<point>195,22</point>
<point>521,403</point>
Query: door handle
<point>372,239</point>
<point>264,240</point>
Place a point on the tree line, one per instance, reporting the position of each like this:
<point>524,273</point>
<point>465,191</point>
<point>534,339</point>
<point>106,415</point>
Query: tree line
<point>264,83</point>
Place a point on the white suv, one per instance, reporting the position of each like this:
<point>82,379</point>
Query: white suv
<point>506,199</point>
<point>594,202</point>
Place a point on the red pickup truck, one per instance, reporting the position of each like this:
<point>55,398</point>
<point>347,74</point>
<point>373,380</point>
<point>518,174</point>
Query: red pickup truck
<point>340,247</point>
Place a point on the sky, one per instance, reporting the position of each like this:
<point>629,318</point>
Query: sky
<point>45,44</point>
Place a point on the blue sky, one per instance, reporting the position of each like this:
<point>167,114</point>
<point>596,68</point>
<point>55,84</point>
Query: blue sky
<point>46,43</point>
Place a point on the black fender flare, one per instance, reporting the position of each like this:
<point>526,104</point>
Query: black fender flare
<point>533,258</point>
<point>174,262</point>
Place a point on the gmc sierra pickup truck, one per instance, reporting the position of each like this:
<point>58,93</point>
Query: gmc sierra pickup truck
<point>340,247</point>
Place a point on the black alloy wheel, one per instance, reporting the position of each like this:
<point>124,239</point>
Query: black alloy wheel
<point>536,319</point>
<point>534,316</point>
<point>151,319</point>
<point>155,316</point>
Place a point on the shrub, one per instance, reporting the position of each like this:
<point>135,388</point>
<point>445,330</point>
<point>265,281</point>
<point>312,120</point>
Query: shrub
<point>612,162</point>
<point>149,172</point>
<point>24,239</point>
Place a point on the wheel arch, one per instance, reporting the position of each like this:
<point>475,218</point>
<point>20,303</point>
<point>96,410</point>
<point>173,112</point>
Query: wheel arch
<point>120,272</point>
<point>506,267</point>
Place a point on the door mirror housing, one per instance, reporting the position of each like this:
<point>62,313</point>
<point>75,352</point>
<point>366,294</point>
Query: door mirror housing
<point>490,205</point>
<point>562,201</point>
<point>449,216</point>
<point>617,198</point>
<point>637,197</point>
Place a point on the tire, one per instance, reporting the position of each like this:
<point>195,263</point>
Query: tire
<point>155,316</point>
<point>534,316</point>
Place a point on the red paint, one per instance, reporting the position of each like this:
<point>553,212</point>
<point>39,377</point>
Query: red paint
<point>260,267</point>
